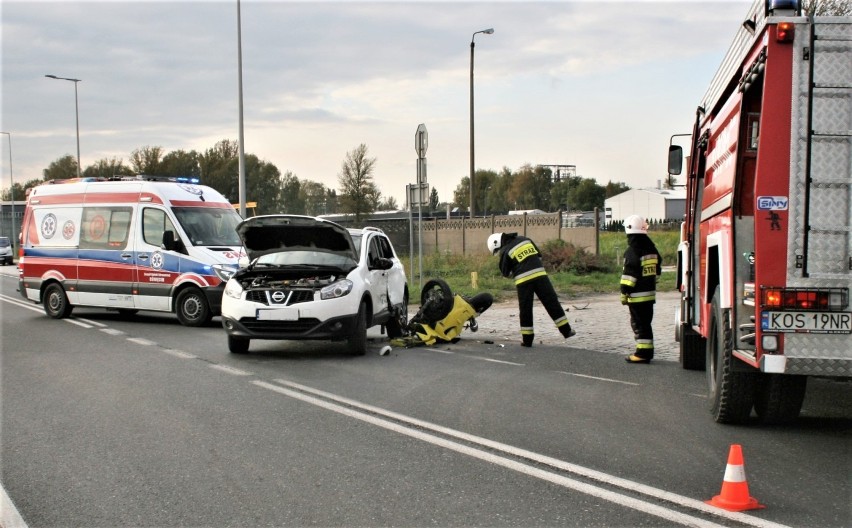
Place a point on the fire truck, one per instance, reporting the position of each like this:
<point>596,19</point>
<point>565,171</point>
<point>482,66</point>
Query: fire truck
<point>765,257</point>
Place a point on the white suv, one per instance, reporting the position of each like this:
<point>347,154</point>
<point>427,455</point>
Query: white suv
<point>309,278</point>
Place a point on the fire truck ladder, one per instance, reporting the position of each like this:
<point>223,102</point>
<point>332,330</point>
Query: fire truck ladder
<point>828,155</point>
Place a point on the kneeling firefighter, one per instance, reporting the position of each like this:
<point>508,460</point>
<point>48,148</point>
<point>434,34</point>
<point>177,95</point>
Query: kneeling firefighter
<point>520,259</point>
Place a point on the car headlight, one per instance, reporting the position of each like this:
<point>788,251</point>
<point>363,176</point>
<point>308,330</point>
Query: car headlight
<point>338,289</point>
<point>224,272</point>
<point>233,289</point>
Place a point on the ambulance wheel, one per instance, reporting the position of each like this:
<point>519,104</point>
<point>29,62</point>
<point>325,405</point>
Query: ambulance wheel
<point>399,321</point>
<point>56,303</point>
<point>238,345</point>
<point>192,308</point>
<point>731,391</point>
<point>357,342</point>
<point>436,301</point>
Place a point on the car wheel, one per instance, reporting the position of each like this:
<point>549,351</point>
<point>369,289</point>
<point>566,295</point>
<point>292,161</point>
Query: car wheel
<point>436,301</point>
<point>56,303</point>
<point>357,342</point>
<point>238,345</point>
<point>192,308</point>
<point>731,393</point>
<point>399,321</point>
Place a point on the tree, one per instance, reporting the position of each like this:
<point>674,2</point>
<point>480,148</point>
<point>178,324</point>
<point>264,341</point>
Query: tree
<point>358,193</point>
<point>433,200</point>
<point>146,160</point>
<point>107,168</point>
<point>313,195</point>
<point>388,204</point>
<point>587,195</point>
<point>827,7</point>
<point>530,188</point>
<point>291,198</point>
<point>612,189</point>
<point>61,169</point>
<point>461,194</point>
<point>180,163</point>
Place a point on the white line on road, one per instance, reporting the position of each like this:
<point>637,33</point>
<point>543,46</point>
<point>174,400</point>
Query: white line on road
<point>450,353</point>
<point>610,480</point>
<point>598,378</point>
<point>141,341</point>
<point>112,331</point>
<point>179,353</point>
<point>89,321</point>
<point>230,370</point>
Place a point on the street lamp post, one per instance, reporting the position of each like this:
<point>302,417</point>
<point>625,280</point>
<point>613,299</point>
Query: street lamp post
<point>11,191</point>
<point>76,112</point>
<point>472,167</point>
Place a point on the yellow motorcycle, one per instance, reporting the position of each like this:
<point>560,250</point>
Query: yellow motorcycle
<point>442,316</point>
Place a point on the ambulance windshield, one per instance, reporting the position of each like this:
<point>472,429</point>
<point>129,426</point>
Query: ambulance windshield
<point>207,226</point>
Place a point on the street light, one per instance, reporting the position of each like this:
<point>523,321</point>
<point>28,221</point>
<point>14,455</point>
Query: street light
<point>11,190</point>
<point>76,112</point>
<point>472,168</point>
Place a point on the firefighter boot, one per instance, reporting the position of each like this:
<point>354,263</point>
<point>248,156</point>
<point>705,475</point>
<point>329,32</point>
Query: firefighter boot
<point>567,331</point>
<point>527,340</point>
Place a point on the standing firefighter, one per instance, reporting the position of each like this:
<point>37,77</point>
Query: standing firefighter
<point>642,266</point>
<point>520,259</point>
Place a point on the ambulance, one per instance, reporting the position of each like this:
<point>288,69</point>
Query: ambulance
<point>128,244</point>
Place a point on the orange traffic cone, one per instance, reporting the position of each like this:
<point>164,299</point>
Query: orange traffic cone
<point>734,495</point>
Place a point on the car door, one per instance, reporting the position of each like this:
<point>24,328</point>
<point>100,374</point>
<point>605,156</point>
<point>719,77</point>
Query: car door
<point>378,277</point>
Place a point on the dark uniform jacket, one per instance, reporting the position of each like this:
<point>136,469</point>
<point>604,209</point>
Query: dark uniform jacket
<point>642,265</point>
<point>520,259</point>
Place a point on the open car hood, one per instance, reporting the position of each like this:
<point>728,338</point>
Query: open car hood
<point>262,235</point>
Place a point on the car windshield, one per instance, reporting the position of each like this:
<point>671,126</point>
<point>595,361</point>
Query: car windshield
<point>207,226</point>
<point>4,242</point>
<point>306,259</point>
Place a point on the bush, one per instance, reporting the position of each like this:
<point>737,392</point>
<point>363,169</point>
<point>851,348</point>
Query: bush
<point>561,256</point>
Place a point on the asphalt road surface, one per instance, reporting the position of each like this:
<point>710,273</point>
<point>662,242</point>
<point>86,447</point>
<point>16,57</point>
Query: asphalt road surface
<point>113,422</point>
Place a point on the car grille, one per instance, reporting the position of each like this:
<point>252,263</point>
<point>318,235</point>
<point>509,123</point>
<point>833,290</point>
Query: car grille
<point>289,297</point>
<point>278,327</point>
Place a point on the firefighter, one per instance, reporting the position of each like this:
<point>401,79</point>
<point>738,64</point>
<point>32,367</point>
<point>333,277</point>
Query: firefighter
<point>642,266</point>
<point>520,259</point>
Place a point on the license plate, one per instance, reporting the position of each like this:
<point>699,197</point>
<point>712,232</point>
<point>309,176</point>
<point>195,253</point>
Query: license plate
<point>807,322</point>
<point>280,314</point>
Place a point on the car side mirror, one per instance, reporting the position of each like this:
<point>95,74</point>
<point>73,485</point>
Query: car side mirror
<point>382,264</point>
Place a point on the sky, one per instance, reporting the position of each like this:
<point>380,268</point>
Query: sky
<point>602,85</point>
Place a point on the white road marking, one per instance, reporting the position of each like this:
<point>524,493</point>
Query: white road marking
<point>230,370</point>
<point>179,353</point>
<point>450,353</point>
<point>141,341</point>
<point>89,321</point>
<point>598,378</point>
<point>112,331</point>
<point>417,427</point>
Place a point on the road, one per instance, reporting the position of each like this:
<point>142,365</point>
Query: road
<point>142,422</point>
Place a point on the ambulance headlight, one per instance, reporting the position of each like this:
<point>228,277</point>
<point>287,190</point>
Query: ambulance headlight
<point>224,272</point>
<point>233,289</point>
<point>338,289</point>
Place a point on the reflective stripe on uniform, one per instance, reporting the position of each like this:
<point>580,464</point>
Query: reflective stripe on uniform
<point>627,280</point>
<point>637,297</point>
<point>644,344</point>
<point>527,330</point>
<point>562,321</point>
<point>522,251</point>
<point>529,275</point>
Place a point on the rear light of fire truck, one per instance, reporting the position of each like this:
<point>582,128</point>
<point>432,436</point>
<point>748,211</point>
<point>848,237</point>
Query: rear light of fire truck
<point>786,32</point>
<point>825,299</point>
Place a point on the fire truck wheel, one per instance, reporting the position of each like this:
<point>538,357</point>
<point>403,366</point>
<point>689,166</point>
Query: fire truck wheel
<point>56,303</point>
<point>693,349</point>
<point>731,394</point>
<point>779,397</point>
<point>192,308</point>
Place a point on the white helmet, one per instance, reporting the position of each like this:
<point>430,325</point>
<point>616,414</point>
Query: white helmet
<point>635,225</point>
<point>494,242</point>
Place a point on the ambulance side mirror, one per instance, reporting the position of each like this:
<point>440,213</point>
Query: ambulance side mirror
<point>675,159</point>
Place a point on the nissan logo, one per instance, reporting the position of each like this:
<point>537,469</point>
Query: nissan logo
<point>279,297</point>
